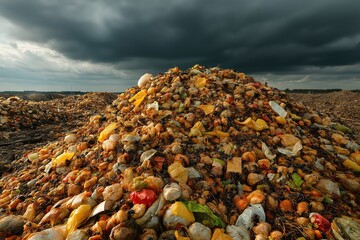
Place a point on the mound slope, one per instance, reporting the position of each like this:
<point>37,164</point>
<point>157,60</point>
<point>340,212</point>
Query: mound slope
<point>195,154</point>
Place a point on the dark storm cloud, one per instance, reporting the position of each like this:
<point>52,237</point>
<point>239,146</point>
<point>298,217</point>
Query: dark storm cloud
<point>258,36</point>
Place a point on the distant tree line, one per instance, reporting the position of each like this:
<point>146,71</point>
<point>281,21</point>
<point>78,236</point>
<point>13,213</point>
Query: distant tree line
<point>313,91</point>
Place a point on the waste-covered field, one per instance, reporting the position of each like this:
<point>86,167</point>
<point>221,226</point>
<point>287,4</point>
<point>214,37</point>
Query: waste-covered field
<point>188,154</point>
<point>342,106</point>
<point>26,124</point>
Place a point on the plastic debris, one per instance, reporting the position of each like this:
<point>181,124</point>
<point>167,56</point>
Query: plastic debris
<point>291,151</point>
<point>278,109</point>
<point>345,228</point>
<point>267,151</point>
<point>246,218</point>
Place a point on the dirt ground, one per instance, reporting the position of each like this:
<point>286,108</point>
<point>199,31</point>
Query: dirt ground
<point>342,107</point>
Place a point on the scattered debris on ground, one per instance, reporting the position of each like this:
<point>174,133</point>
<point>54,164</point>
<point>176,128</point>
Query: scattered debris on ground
<point>25,125</point>
<point>342,106</point>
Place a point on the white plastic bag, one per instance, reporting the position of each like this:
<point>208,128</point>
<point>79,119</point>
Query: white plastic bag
<point>246,218</point>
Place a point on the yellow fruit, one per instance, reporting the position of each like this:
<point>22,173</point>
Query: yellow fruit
<point>106,132</point>
<point>61,159</point>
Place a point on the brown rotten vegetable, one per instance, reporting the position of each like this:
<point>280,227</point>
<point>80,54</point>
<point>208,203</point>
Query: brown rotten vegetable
<point>208,149</point>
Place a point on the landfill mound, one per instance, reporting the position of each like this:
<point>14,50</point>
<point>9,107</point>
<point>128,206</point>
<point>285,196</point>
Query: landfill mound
<point>37,96</point>
<point>195,154</point>
<point>17,113</point>
<point>25,124</point>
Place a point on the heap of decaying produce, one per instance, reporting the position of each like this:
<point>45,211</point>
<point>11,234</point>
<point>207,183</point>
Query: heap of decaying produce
<point>17,113</point>
<point>196,154</point>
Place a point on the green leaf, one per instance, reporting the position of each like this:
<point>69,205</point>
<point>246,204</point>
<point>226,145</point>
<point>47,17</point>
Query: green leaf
<point>204,215</point>
<point>297,179</point>
<point>293,186</point>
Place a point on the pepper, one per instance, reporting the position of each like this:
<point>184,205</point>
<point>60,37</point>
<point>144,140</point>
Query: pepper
<point>320,222</point>
<point>144,196</point>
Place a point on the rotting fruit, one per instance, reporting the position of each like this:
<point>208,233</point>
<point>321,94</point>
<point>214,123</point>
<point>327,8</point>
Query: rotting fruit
<point>211,148</point>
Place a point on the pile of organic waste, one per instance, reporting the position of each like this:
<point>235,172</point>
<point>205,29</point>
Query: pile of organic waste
<point>196,154</point>
<point>17,113</point>
<point>25,124</point>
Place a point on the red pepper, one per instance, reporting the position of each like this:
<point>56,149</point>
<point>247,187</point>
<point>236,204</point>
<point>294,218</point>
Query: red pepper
<point>144,196</point>
<point>320,222</point>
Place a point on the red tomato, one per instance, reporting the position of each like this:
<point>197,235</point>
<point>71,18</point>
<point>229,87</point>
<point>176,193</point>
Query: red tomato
<point>144,196</point>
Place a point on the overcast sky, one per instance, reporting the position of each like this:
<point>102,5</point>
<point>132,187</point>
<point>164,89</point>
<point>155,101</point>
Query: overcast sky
<point>107,45</point>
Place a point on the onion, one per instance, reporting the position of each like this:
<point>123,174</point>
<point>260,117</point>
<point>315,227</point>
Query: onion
<point>144,79</point>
